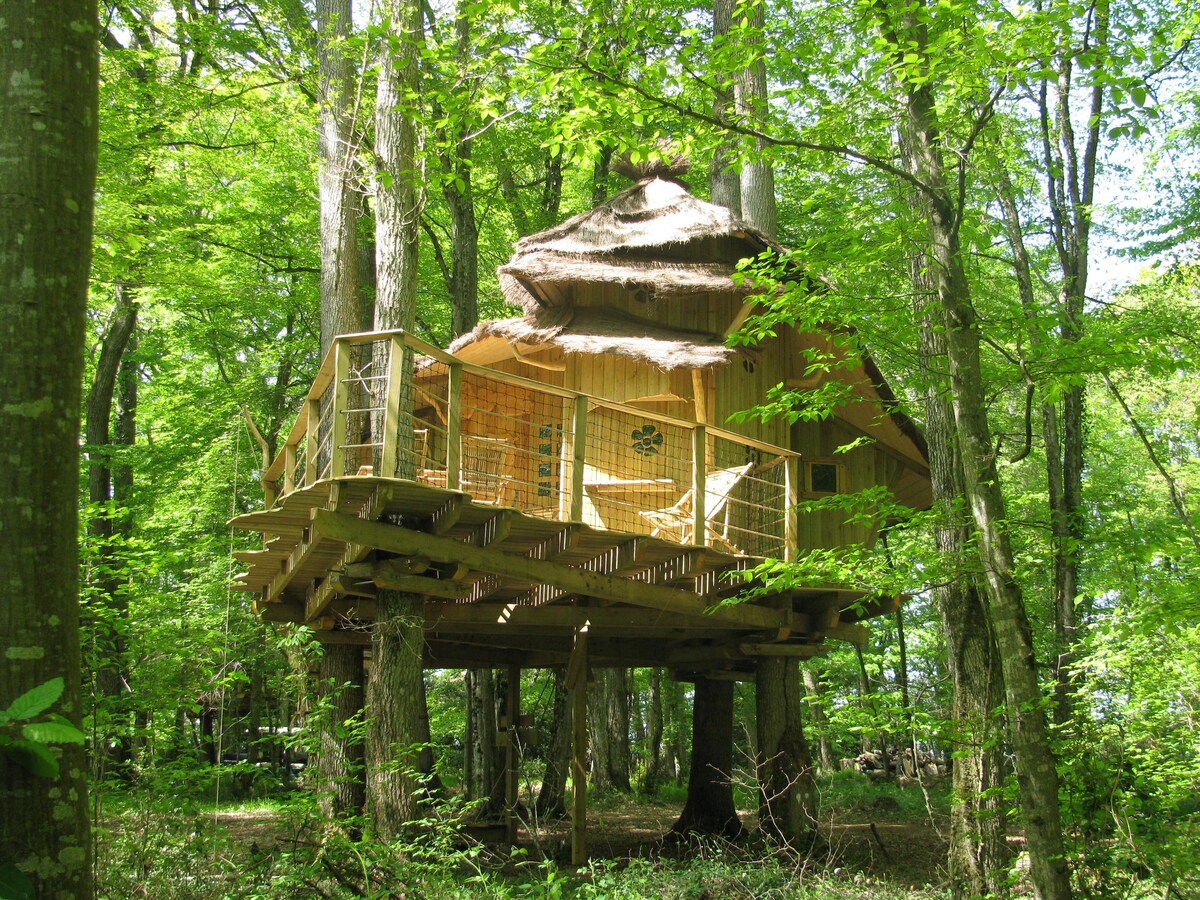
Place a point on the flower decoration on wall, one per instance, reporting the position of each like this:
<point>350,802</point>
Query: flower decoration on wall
<point>647,440</point>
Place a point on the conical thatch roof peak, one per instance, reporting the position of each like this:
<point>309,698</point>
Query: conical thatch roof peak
<point>653,235</point>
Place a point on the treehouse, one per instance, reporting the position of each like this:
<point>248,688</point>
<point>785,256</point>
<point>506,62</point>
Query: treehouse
<point>563,487</point>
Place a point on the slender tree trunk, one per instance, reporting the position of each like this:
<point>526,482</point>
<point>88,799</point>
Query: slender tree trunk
<point>787,808</point>
<point>620,760</point>
<point>1037,776</point>
<point>341,758</point>
<point>750,103</point>
<point>724,182</point>
<point>481,750</point>
<point>654,733</point>
<point>551,800</point>
<point>709,808</point>
<point>816,707</point>
<point>599,749</point>
<point>340,300</point>
<point>48,113</point>
<point>978,853</point>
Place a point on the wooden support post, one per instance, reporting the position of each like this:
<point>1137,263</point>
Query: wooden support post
<point>512,753</point>
<point>341,397</point>
<point>791,512</point>
<point>454,428</point>
<point>579,425</point>
<point>699,532</point>
<point>289,469</point>
<point>577,684</point>
<point>311,437</point>
<point>389,461</point>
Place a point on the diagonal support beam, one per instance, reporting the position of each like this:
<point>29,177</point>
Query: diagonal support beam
<point>406,542</point>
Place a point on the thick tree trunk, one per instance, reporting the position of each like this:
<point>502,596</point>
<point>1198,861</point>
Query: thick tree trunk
<point>341,757</point>
<point>787,808</point>
<point>620,757</point>
<point>340,300</point>
<point>709,808</point>
<point>395,690</point>
<point>552,798</point>
<point>394,710</point>
<point>816,707</point>
<point>48,113</point>
<point>750,103</point>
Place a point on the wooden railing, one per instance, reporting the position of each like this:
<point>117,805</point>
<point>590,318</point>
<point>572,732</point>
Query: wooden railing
<point>388,404</point>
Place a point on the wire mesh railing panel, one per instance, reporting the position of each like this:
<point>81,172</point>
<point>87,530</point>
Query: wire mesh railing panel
<point>325,433</point>
<point>364,393</point>
<point>422,432</point>
<point>637,471</point>
<point>512,439</point>
<point>749,515</point>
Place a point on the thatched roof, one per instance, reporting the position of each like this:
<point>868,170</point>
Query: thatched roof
<point>653,234</point>
<point>600,330</point>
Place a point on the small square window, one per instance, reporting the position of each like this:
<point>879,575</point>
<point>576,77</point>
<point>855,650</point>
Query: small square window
<point>824,478</point>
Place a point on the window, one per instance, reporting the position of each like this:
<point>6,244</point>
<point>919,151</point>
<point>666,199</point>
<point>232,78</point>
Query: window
<point>824,477</point>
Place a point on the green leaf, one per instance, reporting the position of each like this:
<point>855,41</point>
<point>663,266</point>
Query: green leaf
<point>35,757</point>
<point>53,733</point>
<point>36,700</point>
<point>15,884</point>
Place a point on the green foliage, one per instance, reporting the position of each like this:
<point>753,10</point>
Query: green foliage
<point>31,749</point>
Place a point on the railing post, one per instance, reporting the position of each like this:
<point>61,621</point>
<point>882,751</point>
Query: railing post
<point>312,428</point>
<point>341,393</point>
<point>454,428</point>
<point>579,426</point>
<point>699,441</point>
<point>389,458</point>
<point>289,467</point>
<point>791,511</point>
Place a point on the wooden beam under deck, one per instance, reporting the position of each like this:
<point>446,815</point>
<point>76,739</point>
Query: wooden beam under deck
<point>406,542</point>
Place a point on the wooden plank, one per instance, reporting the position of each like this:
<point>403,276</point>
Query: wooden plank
<point>699,531</point>
<point>448,514</point>
<point>389,457</point>
<point>469,615</point>
<point>454,428</point>
<point>341,393</point>
<point>579,426</point>
<point>394,578</point>
<point>312,420</point>
<point>791,513</point>
<point>406,542</point>
<point>792,651</point>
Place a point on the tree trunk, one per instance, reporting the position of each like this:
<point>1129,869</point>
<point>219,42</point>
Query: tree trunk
<point>655,774</point>
<point>787,807</point>
<point>816,708</point>
<point>750,103</point>
<point>340,300</point>
<point>48,115</point>
<point>341,756</point>
<point>620,759</point>
<point>709,807</point>
<point>978,854</point>
<point>482,775</point>
<point>551,800</point>
<point>394,693</point>
<point>1037,776</point>
<point>393,698</point>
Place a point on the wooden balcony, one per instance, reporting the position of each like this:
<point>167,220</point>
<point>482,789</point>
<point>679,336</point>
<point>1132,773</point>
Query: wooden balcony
<point>505,500</point>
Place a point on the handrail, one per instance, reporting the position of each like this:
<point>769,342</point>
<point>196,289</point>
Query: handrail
<point>326,374</point>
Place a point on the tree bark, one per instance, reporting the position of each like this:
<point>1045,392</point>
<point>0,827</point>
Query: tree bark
<point>393,698</point>
<point>340,299</point>
<point>395,690</point>
<point>787,807</point>
<point>816,706</point>
<point>48,115</point>
<point>552,798</point>
<point>342,754</point>
<point>709,808</point>
<point>483,776</point>
<point>655,762</point>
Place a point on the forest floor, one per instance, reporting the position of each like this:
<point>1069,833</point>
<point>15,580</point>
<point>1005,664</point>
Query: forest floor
<point>876,841</point>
